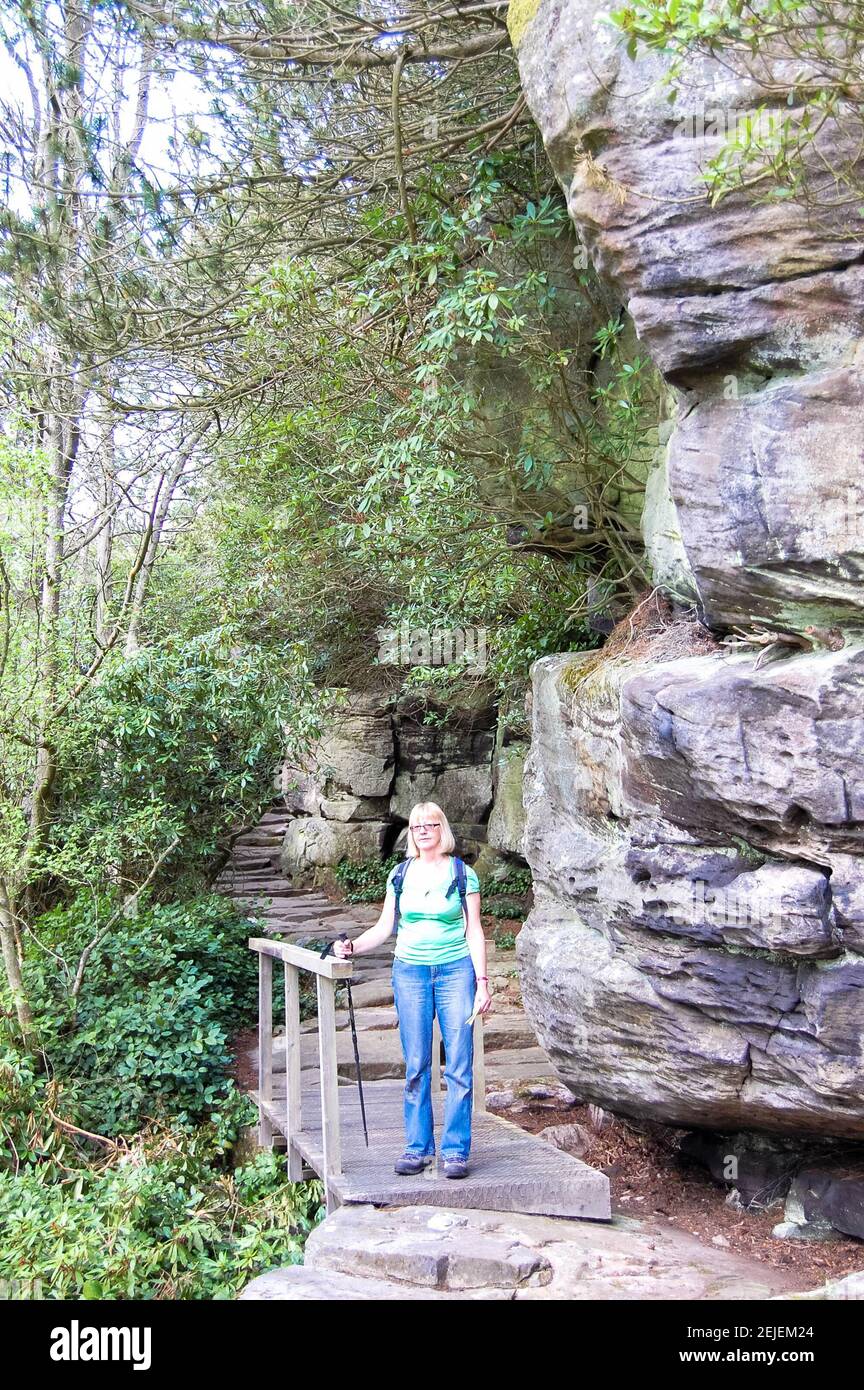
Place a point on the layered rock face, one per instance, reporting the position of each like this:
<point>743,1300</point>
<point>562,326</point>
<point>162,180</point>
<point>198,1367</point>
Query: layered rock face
<point>695,826</point>
<point>696,953</point>
<point>754,311</point>
<point>375,762</point>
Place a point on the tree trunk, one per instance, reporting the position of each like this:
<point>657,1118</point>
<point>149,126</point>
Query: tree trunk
<point>12,964</point>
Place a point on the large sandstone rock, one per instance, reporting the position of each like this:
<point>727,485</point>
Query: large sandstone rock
<point>686,958</point>
<point>507,817</point>
<point>851,1287</point>
<point>348,775</point>
<point>695,827</point>
<point>450,764</point>
<point>753,310</point>
<point>358,754</point>
<point>314,843</point>
<point>767,492</point>
<point>464,793</point>
<point>829,1194</point>
<point>375,762</point>
<point>353,761</point>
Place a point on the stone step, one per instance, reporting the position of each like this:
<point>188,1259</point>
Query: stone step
<point>289,910</point>
<point>269,888</point>
<point>333,928</point>
<point>255,866</point>
<point>506,1075</point>
<point>373,994</point>
<point>375,971</point>
<point>440,1251</point>
<point>297,1283</point>
<point>381,1057</point>
<point>235,886</point>
<point>366,1020</point>
<point>292,899</point>
<point>501,1032</point>
<point>268,871</point>
<point>292,914</point>
<point>502,1060</point>
<point>270,838</point>
<point>299,898</point>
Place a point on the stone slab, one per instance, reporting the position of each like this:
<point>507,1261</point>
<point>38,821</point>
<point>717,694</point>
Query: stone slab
<point>399,1250</point>
<point>440,1251</point>
<point>298,1283</point>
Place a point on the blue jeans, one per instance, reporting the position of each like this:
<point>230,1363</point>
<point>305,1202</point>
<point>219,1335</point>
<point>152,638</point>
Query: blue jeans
<point>420,992</point>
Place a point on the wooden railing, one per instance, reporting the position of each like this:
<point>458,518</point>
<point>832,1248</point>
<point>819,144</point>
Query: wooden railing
<point>328,971</point>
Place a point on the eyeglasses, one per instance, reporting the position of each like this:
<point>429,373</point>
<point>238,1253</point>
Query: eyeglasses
<point>432,825</point>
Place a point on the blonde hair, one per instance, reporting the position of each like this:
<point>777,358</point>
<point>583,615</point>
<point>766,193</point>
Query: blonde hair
<point>425,808</point>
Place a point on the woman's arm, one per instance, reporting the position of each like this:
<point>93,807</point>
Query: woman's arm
<point>373,936</point>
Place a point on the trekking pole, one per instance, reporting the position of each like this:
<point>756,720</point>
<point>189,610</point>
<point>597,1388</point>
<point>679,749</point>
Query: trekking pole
<point>343,936</point>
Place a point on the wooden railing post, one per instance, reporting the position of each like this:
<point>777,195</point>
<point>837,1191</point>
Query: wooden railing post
<point>331,1137</point>
<point>265,1048</point>
<point>293,1117</point>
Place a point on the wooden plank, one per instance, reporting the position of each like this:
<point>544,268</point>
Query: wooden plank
<point>265,1048</point>
<point>331,1141</point>
<point>329,967</point>
<point>511,1170</point>
<point>293,1113</point>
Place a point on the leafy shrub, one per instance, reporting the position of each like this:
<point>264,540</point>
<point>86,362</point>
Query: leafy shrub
<point>507,897</point>
<point>366,881</point>
<point>160,995</point>
<point>505,940</point>
<point>174,744</point>
<point>507,908</point>
<point>164,1218</point>
<point>29,1133</point>
<point>515,882</point>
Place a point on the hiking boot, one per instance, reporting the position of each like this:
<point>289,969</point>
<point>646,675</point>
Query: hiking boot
<point>455,1167</point>
<point>413,1163</point>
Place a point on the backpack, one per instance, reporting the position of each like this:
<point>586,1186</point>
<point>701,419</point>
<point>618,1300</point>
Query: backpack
<point>460,882</point>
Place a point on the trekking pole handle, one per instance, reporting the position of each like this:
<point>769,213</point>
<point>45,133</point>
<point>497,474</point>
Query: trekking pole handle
<point>343,936</point>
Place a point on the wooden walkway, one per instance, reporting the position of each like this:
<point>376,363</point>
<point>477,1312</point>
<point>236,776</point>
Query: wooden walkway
<point>510,1169</point>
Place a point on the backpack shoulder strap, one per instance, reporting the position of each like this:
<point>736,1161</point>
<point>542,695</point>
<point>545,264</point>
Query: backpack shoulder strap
<point>398,881</point>
<point>460,882</point>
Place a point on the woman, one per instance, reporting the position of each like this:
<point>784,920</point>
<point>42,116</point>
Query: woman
<point>439,967</point>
